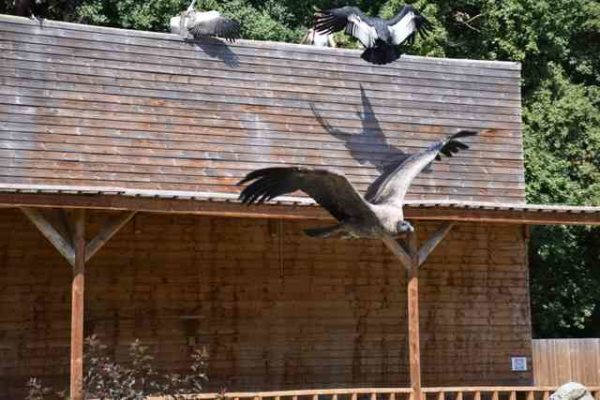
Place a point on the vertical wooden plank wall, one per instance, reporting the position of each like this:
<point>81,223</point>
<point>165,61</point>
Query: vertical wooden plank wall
<point>83,105</point>
<point>473,292</point>
<point>557,361</point>
<point>277,309</point>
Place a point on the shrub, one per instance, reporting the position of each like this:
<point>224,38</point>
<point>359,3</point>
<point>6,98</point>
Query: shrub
<point>105,378</point>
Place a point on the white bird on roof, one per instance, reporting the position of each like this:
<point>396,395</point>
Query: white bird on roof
<point>318,39</point>
<point>207,23</point>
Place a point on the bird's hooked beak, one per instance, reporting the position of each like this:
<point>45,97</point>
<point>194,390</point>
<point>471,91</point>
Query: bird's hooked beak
<point>405,227</point>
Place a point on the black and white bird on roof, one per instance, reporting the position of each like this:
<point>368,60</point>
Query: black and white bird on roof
<point>202,24</point>
<point>380,37</point>
<point>34,9</point>
<point>377,215</point>
<point>315,38</point>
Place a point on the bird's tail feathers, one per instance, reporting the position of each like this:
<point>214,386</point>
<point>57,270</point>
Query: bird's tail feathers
<point>380,55</point>
<point>323,232</point>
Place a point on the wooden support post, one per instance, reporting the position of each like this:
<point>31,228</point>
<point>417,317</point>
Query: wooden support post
<point>398,251</point>
<point>432,242</point>
<point>414,352</point>
<point>77,308</point>
<point>65,227</point>
<point>61,244</point>
<point>106,233</point>
<point>77,253</point>
<point>412,258</point>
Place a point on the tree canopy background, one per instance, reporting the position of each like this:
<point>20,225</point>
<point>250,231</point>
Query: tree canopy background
<point>558,43</point>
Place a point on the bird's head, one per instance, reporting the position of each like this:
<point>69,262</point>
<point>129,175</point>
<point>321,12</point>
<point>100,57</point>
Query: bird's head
<point>404,227</point>
<point>191,8</point>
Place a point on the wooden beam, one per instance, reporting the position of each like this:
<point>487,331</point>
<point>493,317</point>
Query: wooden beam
<point>76,252</point>
<point>168,206</point>
<point>50,232</point>
<point>435,239</point>
<point>398,251</point>
<point>77,308</point>
<point>528,217</point>
<point>414,352</point>
<point>282,211</point>
<point>108,231</point>
<point>65,225</point>
<point>410,259</point>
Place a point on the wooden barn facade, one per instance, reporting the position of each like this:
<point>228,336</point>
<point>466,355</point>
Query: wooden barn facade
<point>121,150</point>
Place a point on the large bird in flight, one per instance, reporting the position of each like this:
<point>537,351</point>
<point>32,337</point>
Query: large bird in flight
<point>379,215</point>
<point>380,37</point>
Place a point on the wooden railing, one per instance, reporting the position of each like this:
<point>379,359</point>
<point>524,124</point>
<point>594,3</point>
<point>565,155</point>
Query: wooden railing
<point>309,394</point>
<point>438,393</point>
<point>495,393</point>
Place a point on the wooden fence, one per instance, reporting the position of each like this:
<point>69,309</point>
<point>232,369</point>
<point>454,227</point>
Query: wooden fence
<point>556,361</point>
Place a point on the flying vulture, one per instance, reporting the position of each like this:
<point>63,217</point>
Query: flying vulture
<point>208,23</point>
<point>380,37</point>
<point>378,215</point>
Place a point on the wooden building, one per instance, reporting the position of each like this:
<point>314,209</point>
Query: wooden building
<point>121,150</point>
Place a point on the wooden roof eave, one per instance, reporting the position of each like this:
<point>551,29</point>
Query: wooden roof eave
<point>288,208</point>
<point>503,215</point>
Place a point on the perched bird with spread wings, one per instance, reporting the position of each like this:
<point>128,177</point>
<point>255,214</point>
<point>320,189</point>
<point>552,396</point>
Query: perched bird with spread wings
<point>379,215</point>
<point>207,23</point>
<point>380,37</point>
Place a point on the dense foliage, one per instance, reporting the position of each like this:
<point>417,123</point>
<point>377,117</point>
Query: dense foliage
<point>558,43</point>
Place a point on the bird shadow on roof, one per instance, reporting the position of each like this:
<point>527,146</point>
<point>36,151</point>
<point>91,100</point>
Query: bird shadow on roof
<point>216,48</point>
<point>370,146</point>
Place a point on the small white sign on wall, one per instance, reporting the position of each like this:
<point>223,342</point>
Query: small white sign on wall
<point>519,363</point>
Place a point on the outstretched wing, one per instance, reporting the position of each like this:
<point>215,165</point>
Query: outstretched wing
<point>331,190</point>
<point>406,24</point>
<point>396,184</point>
<point>352,19</point>
<point>214,24</point>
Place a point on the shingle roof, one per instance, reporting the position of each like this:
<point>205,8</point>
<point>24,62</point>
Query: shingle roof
<point>88,105</point>
<point>418,209</point>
